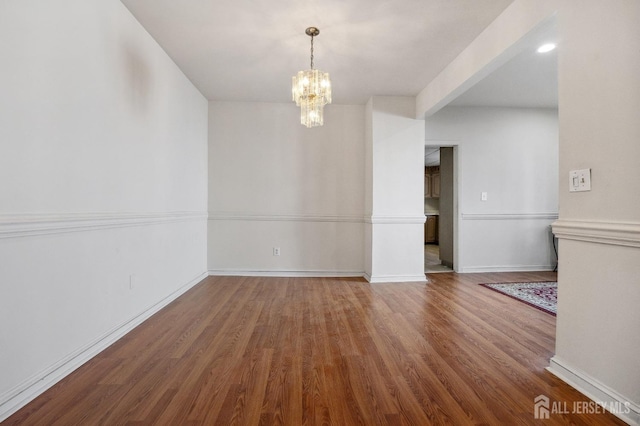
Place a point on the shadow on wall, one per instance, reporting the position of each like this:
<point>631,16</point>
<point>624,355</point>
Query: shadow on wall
<point>138,79</point>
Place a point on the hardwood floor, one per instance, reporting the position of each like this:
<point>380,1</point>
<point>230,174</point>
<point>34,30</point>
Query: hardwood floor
<point>302,351</point>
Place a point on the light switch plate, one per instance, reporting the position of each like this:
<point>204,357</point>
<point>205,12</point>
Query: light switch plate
<point>580,180</point>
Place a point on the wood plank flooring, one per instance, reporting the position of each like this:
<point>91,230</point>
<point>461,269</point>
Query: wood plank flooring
<point>323,351</point>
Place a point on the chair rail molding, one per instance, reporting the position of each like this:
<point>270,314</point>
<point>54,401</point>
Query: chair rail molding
<point>268,217</point>
<point>30,224</point>
<point>625,234</point>
<point>510,216</point>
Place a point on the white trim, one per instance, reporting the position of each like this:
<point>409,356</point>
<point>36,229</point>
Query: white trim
<point>284,273</point>
<point>395,278</point>
<point>316,274</point>
<point>396,220</point>
<point>509,216</point>
<point>615,233</point>
<point>283,217</point>
<point>385,219</point>
<point>16,398</point>
<point>27,225</point>
<point>507,268</point>
<point>595,390</point>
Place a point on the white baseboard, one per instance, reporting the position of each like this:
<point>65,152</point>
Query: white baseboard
<point>319,274</point>
<point>18,397</point>
<point>624,409</point>
<point>508,268</point>
<point>395,278</point>
<point>284,274</point>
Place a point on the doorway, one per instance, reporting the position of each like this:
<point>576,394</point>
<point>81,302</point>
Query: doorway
<point>439,206</point>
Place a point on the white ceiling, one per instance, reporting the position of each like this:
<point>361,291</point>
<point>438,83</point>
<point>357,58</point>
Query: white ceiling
<point>431,156</point>
<point>528,80</point>
<point>247,50</point>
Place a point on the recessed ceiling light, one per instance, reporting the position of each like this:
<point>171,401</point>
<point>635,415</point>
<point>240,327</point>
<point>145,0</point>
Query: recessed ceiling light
<point>546,48</point>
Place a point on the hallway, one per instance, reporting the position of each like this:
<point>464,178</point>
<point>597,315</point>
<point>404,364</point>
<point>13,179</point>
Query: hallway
<point>432,263</point>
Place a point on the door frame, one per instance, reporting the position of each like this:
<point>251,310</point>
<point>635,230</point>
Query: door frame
<point>456,194</point>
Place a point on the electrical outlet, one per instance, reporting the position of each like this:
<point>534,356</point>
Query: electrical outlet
<point>483,196</point>
<point>276,251</point>
<point>132,280</point>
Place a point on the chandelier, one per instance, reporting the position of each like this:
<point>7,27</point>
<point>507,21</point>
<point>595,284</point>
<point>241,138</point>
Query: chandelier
<point>311,90</point>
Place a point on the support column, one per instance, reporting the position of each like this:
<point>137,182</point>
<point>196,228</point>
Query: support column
<point>394,222</point>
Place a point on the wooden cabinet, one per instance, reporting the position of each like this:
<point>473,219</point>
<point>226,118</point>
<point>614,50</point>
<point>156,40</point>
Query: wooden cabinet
<point>432,182</point>
<point>435,185</point>
<point>431,230</point>
<point>427,186</point>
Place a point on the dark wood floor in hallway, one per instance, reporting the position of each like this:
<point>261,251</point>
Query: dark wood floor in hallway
<point>321,351</point>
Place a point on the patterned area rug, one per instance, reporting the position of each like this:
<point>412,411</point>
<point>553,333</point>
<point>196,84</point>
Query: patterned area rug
<point>542,295</point>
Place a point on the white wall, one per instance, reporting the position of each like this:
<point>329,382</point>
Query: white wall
<point>103,177</point>
<point>394,232</point>
<point>276,183</point>
<point>597,343</point>
<point>342,199</point>
<point>598,338</point>
<point>512,155</point>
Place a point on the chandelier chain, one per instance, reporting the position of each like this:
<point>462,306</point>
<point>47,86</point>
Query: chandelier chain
<point>311,51</point>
